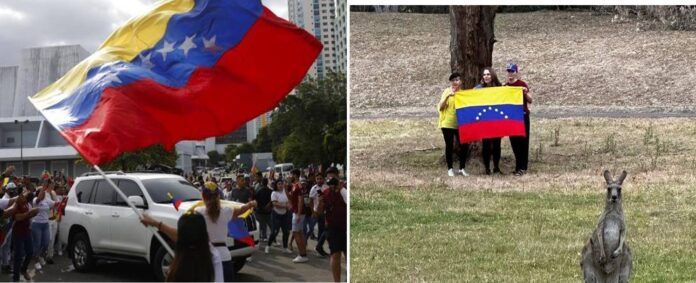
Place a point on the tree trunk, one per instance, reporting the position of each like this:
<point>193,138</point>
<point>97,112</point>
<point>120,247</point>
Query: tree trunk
<point>471,41</point>
<point>471,47</point>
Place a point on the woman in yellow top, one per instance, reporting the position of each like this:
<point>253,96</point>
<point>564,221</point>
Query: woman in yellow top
<point>448,124</point>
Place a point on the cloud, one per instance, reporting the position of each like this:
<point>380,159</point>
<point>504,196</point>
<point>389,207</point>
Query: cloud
<point>36,23</point>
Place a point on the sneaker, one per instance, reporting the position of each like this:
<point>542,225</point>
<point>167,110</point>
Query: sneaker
<point>519,172</point>
<point>267,249</point>
<point>321,251</point>
<point>488,171</point>
<point>42,261</point>
<point>60,253</point>
<point>37,266</point>
<point>461,171</point>
<point>300,259</point>
<point>287,251</point>
<point>497,171</point>
<point>450,173</point>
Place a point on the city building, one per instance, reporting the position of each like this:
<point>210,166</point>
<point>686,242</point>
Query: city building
<point>341,36</point>
<point>318,18</point>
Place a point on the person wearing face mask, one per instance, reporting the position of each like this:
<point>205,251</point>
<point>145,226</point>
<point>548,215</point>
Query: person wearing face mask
<point>520,145</point>
<point>448,125</point>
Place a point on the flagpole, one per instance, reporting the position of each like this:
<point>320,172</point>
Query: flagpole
<point>137,212</point>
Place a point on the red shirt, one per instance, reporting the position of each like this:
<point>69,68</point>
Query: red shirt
<point>21,228</point>
<point>294,195</point>
<point>522,84</point>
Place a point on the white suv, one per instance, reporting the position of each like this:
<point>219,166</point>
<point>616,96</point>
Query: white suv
<point>98,224</point>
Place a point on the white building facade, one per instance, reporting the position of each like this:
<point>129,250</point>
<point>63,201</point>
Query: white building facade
<point>318,18</point>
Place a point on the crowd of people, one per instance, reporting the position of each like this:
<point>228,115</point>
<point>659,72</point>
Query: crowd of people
<point>29,216</point>
<point>293,206</point>
<point>297,204</point>
<point>490,146</point>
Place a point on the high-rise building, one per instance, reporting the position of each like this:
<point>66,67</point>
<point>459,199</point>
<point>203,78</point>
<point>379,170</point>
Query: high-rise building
<point>340,36</point>
<point>318,18</point>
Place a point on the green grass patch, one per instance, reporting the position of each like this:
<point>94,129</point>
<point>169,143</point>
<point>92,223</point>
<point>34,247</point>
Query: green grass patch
<point>418,235</point>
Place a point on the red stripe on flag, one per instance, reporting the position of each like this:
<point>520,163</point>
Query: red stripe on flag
<point>490,129</point>
<point>247,81</point>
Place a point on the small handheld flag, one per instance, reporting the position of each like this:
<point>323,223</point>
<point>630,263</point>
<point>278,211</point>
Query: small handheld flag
<point>238,230</point>
<point>175,201</point>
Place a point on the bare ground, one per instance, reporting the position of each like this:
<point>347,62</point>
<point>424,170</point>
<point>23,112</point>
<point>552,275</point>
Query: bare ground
<point>400,62</point>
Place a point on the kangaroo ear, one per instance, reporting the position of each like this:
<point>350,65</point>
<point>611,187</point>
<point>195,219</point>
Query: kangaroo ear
<point>607,176</point>
<point>622,177</point>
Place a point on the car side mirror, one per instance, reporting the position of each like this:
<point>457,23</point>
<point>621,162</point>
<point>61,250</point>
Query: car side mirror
<point>137,201</point>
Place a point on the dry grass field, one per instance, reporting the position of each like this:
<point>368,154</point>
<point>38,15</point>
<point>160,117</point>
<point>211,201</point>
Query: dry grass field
<point>568,58</point>
<point>410,222</point>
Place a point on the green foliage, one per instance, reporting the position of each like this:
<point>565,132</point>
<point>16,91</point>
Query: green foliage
<point>215,157</point>
<point>310,126</point>
<point>129,161</point>
<point>245,148</point>
<point>263,143</point>
<point>230,152</point>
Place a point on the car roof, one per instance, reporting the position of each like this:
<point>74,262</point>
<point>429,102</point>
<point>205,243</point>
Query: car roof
<point>141,176</point>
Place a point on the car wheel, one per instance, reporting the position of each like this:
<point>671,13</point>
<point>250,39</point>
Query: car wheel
<point>238,264</point>
<point>81,252</point>
<point>161,263</point>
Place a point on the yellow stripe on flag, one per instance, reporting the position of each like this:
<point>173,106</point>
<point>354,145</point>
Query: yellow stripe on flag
<point>124,44</point>
<point>488,96</point>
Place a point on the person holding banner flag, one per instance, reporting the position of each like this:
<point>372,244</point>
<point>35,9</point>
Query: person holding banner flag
<point>490,146</point>
<point>217,219</point>
<point>520,143</point>
<point>448,124</point>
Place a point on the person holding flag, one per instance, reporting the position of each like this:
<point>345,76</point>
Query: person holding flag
<point>491,146</point>
<point>216,220</point>
<point>520,144</point>
<point>448,124</point>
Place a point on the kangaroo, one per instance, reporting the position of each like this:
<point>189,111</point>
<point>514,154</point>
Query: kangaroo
<point>606,257</point>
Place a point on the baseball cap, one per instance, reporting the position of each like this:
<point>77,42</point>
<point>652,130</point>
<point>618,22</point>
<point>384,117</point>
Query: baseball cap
<point>511,67</point>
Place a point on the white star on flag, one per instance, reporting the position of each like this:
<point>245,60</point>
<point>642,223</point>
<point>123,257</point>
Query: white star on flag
<point>187,45</point>
<point>209,44</point>
<point>168,47</point>
<point>145,60</point>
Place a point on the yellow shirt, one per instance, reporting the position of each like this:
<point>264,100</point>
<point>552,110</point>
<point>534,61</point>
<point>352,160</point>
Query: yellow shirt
<point>448,116</point>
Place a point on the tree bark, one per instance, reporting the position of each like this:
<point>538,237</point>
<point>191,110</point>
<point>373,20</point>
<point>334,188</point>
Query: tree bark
<point>471,41</point>
<point>471,48</point>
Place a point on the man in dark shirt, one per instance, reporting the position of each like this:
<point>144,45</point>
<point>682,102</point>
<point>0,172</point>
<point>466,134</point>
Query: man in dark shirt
<point>242,193</point>
<point>520,145</point>
<point>21,236</point>
<point>263,212</point>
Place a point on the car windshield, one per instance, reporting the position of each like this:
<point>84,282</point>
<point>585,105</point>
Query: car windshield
<point>179,189</point>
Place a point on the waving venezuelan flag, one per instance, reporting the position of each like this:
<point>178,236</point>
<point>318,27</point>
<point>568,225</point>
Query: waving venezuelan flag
<point>489,113</point>
<point>188,69</point>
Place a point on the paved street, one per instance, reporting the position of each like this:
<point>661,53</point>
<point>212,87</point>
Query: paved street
<point>275,266</point>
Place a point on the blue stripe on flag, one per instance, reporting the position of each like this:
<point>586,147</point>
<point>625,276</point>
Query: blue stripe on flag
<point>472,114</point>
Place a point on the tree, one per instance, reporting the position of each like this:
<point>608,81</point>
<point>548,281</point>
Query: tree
<point>471,47</point>
<point>263,143</point>
<point>130,161</point>
<point>230,152</point>
<point>245,148</point>
<point>471,41</point>
<point>214,157</point>
<point>299,127</point>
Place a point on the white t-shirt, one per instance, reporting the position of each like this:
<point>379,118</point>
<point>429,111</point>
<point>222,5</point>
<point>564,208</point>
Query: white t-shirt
<point>281,198</point>
<point>217,231</point>
<point>217,264</point>
<point>314,194</point>
<point>44,206</point>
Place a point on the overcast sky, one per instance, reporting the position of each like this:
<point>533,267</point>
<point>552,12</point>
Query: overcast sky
<point>34,23</point>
